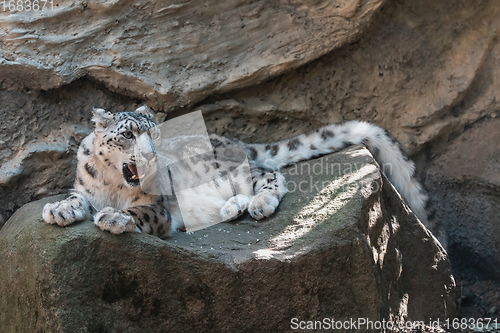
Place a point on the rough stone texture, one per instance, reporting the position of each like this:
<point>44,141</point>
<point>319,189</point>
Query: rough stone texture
<point>342,244</point>
<point>427,71</point>
<point>469,197</point>
<point>39,135</point>
<point>423,69</point>
<point>172,53</point>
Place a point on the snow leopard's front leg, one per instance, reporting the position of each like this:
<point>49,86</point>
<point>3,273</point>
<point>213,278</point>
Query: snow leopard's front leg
<point>153,220</point>
<point>269,188</point>
<point>74,208</point>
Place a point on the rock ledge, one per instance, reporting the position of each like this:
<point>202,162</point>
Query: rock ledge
<point>341,245</point>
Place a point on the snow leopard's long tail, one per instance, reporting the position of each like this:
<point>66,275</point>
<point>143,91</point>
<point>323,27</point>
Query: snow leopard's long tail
<point>383,146</point>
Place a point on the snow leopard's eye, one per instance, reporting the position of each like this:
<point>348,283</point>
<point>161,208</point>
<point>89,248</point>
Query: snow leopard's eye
<point>128,135</point>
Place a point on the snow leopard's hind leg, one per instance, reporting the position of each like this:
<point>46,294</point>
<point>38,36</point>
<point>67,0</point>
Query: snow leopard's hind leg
<point>234,207</point>
<point>269,188</point>
<point>74,208</point>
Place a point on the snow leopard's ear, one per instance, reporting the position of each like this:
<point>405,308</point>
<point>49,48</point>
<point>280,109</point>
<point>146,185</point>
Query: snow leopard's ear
<point>101,118</point>
<point>145,111</point>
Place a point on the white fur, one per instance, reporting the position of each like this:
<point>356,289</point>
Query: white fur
<point>401,172</point>
<point>120,140</point>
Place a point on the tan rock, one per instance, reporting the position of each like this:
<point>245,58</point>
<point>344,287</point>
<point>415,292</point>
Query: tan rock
<point>416,72</point>
<point>173,54</point>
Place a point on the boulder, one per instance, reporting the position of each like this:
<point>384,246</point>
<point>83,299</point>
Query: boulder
<point>343,244</point>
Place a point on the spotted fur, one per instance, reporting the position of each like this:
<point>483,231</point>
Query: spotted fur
<point>106,187</point>
<point>385,148</point>
<point>101,190</point>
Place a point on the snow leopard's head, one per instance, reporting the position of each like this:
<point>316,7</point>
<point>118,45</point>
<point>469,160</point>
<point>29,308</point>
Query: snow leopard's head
<point>124,141</point>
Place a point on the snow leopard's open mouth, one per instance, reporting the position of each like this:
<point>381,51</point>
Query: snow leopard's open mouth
<point>132,174</point>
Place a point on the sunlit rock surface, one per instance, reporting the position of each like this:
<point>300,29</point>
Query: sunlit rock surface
<point>171,53</point>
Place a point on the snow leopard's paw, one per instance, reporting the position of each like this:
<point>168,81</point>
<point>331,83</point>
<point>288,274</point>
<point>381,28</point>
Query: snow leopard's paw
<point>114,221</point>
<point>63,212</point>
<point>263,205</point>
<point>234,207</point>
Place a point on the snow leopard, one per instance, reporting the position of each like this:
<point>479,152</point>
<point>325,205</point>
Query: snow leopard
<point>107,187</point>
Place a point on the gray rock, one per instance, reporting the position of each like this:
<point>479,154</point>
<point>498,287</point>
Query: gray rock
<point>464,182</point>
<point>341,245</point>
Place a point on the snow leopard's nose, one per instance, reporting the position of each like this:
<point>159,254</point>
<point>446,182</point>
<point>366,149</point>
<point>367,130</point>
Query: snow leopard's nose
<point>145,147</point>
<point>149,155</point>
<point>149,152</point>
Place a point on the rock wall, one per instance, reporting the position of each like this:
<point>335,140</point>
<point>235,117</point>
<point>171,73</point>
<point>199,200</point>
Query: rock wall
<point>40,133</point>
<point>425,70</point>
<point>169,53</point>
